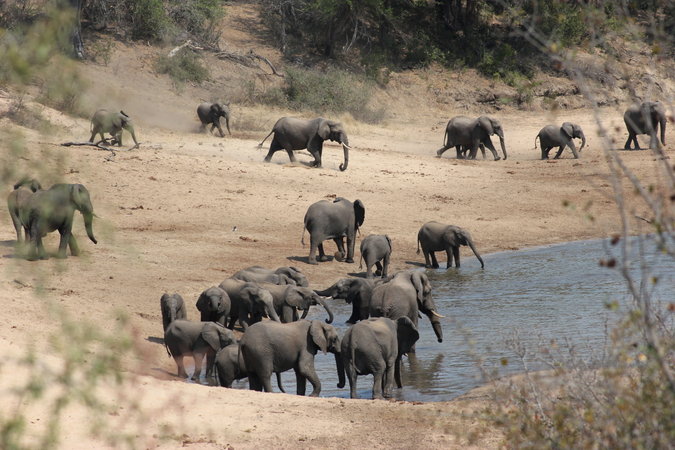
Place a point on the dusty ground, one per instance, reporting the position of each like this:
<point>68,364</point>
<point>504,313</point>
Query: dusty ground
<point>187,210</point>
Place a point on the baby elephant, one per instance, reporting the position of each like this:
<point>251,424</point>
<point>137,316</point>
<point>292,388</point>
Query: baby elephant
<point>112,122</point>
<point>196,339</point>
<point>553,136</point>
<point>375,346</point>
<point>214,305</point>
<point>376,248</point>
<point>17,200</point>
<point>230,367</point>
<point>173,308</point>
<point>210,113</point>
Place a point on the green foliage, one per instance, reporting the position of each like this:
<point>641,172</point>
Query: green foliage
<point>200,18</point>
<point>183,67</point>
<point>148,19</point>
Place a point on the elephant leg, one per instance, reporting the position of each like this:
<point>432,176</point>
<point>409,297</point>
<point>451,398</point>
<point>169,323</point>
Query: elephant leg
<point>210,364</point>
<point>17,226</point>
<point>489,145</point>
<point>434,262</point>
<point>378,272</point>
<point>254,383</point>
<point>274,147</point>
<point>427,260</point>
<point>385,266</point>
<point>199,359</point>
<point>455,253</point>
<point>313,245</point>
<point>351,375</point>
<point>216,124</point>
<point>202,128</point>
<point>180,366</point>
<point>63,243</point>
<point>339,243</point>
<point>559,152</point>
<point>572,147</point>
<point>653,140</point>
<point>460,151</point>
<point>440,151</point>
<point>351,241</point>
<point>448,252</point>
<point>389,377</point>
<point>308,373</point>
<point>72,243</point>
<point>378,393</point>
<point>267,382</point>
<point>482,150</point>
<point>322,254</point>
<point>544,152</point>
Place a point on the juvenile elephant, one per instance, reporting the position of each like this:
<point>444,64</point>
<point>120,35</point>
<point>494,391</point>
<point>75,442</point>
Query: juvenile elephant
<point>196,339</point>
<point>210,113</point>
<point>289,299</point>
<point>54,209</point>
<point>214,305</point>
<point>357,291</point>
<point>249,302</point>
<point>333,220</point>
<point>292,134</point>
<point>375,346</point>
<point>465,133</point>
<point>277,347</point>
<point>173,308</point>
<point>17,200</point>
<point>645,119</point>
<point>104,121</point>
<point>230,367</point>
<point>436,237</point>
<point>281,275</point>
<point>376,248</point>
<point>553,136</point>
<point>407,294</point>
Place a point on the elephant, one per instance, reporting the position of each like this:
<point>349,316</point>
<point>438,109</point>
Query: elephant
<point>230,367</point>
<point>288,299</point>
<point>214,305</point>
<point>436,237</point>
<point>357,291</point>
<point>104,121</point>
<point>210,113</point>
<point>173,308</point>
<point>407,294</point>
<point>281,275</point>
<point>376,248</point>
<point>291,134</point>
<point>553,136</point>
<point>196,339</point>
<point>375,346</point>
<point>249,302</point>
<point>269,347</point>
<point>333,220</point>
<point>645,119</point>
<point>465,133</point>
<point>17,200</point>
<point>53,209</point>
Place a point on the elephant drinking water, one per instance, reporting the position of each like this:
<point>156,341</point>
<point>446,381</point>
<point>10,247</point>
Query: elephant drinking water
<point>436,237</point>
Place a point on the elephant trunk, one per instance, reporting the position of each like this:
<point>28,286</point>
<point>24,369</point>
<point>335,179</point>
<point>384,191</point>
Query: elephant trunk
<point>436,325</point>
<point>345,148</point>
<point>340,370</point>
<point>662,123</point>
<point>328,292</point>
<point>130,129</point>
<point>88,221</point>
<point>475,252</point>
<point>269,307</point>
<point>227,124</point>
<point>397,372</point>
<point>321,301</point>
<point>501,142</point>
<point>583,140</point>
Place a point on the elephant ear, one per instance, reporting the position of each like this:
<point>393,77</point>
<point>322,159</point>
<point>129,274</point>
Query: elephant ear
<point>77,196</point>
<point>316,331</point>
<point>224,299</point>
<point>202,302</point>
<point>406,333</point>
<point>296,299</point>
<point>421,283</point>
<point>211,336</point>
<point>324,130</point>
<point>359,213</point>
<point>568,129</point>
<point>486,124</point>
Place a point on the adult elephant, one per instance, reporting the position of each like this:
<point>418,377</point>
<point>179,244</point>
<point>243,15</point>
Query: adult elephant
<point>465,133</point>
<point>376,248</point>
<point>210,113</point>
<point>333,220</point>
<point>214,305</point>
<point>112,122</point>
<point>406,295</point>
<point>17,200</point>
<point>196,339</point>
<point>376,346</point>
<point>436,237</point>
<point>289,299</point>
<point>355,291</point>
<point>249,302</point>
<point>173,308</point>
<point>553,136</point>
<point>645,119</point>
<point>54,209</point>
<point>269,347</point>
<point>230,366</point>
<point>292,134</point>
<point>280,275</point>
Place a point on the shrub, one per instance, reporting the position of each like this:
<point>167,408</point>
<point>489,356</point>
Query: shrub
<point>199,18</point>
<point>183,67</point>
<point>148,19</point>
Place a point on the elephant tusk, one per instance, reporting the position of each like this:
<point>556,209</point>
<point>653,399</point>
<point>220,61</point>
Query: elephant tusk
<point>436,314</point>
<point>348,147</point>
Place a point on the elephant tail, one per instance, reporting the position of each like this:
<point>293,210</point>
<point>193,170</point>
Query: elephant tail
<point>302,239</point>
<point>281,388</point>
<point>168,352</point>
<point>263,141</point>
<point>535,141</point>
<point>418,245</point>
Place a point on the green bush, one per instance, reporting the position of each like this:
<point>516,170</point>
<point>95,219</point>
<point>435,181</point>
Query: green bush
<point>183,67</point>
<point>200,18</point>
<point>148,19</point>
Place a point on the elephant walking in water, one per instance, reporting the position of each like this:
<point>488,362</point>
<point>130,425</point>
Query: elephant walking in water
<point>465,133</point>
<point>436,237</point>
<point>292,134</point>
<point>645,119</point>
<point>553,136</point>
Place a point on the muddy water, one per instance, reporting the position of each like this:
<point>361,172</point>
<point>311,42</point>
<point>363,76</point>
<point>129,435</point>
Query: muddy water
<point>543,295</point>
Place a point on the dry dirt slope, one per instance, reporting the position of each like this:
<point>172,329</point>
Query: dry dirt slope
<point>167,214</point>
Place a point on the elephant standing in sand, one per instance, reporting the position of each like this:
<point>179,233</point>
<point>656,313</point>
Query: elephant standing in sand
<point>112,122</point>
<point>553,136</point>
<point>436,237</point>
<point>17,200</point>
<point>292,134</point>
<point>645,119</point>
<point>54,209</point>
<point>210,113</point>
<point>196,339</point>
<point>465,133</point>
